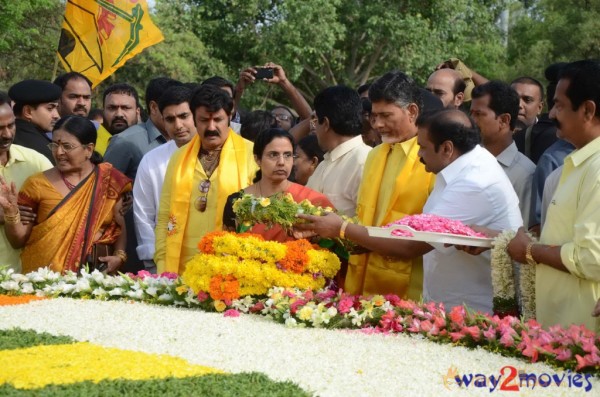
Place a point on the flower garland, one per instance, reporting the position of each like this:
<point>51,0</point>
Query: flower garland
<point>575,347</point>
<point>281,209</point>
<point>503,280</point>
<point>231,265</point>
<point>278,209</point>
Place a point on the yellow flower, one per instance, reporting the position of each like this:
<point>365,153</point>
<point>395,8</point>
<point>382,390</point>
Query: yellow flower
<point>182,289</point>
<point>40,366</point>
<point>305,313</point>
<point>378,300</point>
<point>265,201</point>
<point>220,305</point>
<point>289,198</point>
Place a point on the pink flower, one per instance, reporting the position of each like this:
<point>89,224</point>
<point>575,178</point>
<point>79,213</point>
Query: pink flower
<point>169,275</point>
<point>507,340</point>
<point>325,295</point>
<point>258,306</point>
<point>309,295</point>
<point>345,305</point>
<point>563,354</point>
<point>457,315</point>
<point>231,313</point>
<point>426,326</point>
<point>202,296</point>
<point>294,306</point>
<point>393,299</point>
<point>407,305</point>
<point>456,336</point>
<point>490,333</point>
<point>474,331</point>
<point>288,294</point>
<point>144,274</point>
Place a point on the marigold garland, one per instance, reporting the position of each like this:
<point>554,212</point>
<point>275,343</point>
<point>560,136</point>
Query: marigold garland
<point>8,300</point>
<point>256,265</point>
<point>224,287</point>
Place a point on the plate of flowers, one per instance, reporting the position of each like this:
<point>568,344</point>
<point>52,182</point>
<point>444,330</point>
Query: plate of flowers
<point>432,229</point>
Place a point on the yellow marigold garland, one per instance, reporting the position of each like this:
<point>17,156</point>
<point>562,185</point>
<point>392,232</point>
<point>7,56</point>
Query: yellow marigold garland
<point>247,265</point>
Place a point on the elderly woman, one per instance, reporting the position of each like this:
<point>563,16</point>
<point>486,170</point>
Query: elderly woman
<point>79,206</point>
<point>274,154</point>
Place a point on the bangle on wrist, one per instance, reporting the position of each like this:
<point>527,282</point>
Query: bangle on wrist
<point>12,219</point>
<point>122,255</point>
<point>529,255</point>
<point>343,229</point>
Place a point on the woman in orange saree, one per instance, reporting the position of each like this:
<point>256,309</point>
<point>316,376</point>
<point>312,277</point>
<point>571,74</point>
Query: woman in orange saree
<point>79,205</point>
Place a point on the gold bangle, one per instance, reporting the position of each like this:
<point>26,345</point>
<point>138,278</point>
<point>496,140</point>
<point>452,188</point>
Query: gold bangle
<point>122,255</point>
<point>12,219</point>
<point>343,229</point>
<point>529,255</point>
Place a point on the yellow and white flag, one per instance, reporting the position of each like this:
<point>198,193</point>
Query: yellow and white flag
<point>99,36</point>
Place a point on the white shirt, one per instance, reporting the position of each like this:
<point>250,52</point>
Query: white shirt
<point>474,190</point>
<point>146,197</point>
<point>519,170</point>
<point>339,175</point>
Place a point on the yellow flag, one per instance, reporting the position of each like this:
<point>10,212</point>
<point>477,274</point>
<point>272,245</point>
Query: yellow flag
<point>99,36</point>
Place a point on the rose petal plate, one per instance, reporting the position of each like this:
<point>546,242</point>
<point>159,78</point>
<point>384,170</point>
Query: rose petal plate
<point>430,237</point>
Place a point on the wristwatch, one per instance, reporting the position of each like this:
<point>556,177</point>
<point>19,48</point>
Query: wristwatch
<point>529,256</point>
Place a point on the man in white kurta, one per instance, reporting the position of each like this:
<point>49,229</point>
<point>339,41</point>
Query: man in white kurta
<point>179,125</point>
<point>474,190</point>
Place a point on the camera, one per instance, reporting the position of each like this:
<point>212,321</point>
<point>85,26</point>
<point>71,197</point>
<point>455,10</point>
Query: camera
<point>263,73</point>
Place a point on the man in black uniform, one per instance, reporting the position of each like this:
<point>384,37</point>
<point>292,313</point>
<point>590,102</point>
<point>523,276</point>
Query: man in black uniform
<point>36,112</point>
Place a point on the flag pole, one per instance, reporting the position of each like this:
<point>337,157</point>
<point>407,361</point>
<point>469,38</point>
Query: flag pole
<point>55,71</point>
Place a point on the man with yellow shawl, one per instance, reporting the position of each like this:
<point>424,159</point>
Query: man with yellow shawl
<point>394,184</point>
<point>200,176</point>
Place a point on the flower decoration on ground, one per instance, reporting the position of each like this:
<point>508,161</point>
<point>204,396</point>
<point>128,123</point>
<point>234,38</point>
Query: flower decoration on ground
<point>574,348</point>
<point>231,265</point>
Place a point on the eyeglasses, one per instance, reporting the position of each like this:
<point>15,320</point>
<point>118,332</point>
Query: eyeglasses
<point>200,203</point>
<point>67,147</point>
<point>282,117</point>
<point>274,156</point>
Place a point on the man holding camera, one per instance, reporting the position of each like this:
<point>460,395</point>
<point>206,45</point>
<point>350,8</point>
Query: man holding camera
<point>274,74</point>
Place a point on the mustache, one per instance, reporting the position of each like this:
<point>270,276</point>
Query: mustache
<point>5,140</point>
<point>80,107</point>
<point>211,133</point>
<point>118,119</point>
<point>422,161</point>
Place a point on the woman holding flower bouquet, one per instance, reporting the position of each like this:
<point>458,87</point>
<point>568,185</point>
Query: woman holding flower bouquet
<point>79,206</point>
<point>274,154</point>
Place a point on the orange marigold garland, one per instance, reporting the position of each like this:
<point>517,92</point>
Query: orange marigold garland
<point>206,243</point>
<point>224,288</point>
<point>8,300</point>
<point>296,257</point>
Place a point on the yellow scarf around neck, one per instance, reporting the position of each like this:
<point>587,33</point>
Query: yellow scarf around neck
<point>233,173</point>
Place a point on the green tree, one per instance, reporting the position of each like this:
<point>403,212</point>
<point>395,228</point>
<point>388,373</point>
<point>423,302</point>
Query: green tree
<point>549,31</point>
<point>29,32</point>
<point>351,41</point>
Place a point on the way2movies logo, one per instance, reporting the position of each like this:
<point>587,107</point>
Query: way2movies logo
<point>511,379</point>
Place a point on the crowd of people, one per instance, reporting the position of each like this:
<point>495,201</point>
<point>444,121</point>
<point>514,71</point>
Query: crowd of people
<point>120,191</point>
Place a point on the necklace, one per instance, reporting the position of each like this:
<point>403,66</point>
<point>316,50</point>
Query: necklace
<point>210,160</point>
<point>69,185</point>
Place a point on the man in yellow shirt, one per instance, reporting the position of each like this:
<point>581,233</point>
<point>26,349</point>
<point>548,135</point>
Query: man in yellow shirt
<point>200,176</point>
<point>567,258</point>
<point>394,184</point>
<point>17,163</point>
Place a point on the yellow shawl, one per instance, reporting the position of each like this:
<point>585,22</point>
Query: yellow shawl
<point>233,173</point>
<point>373,273</point>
